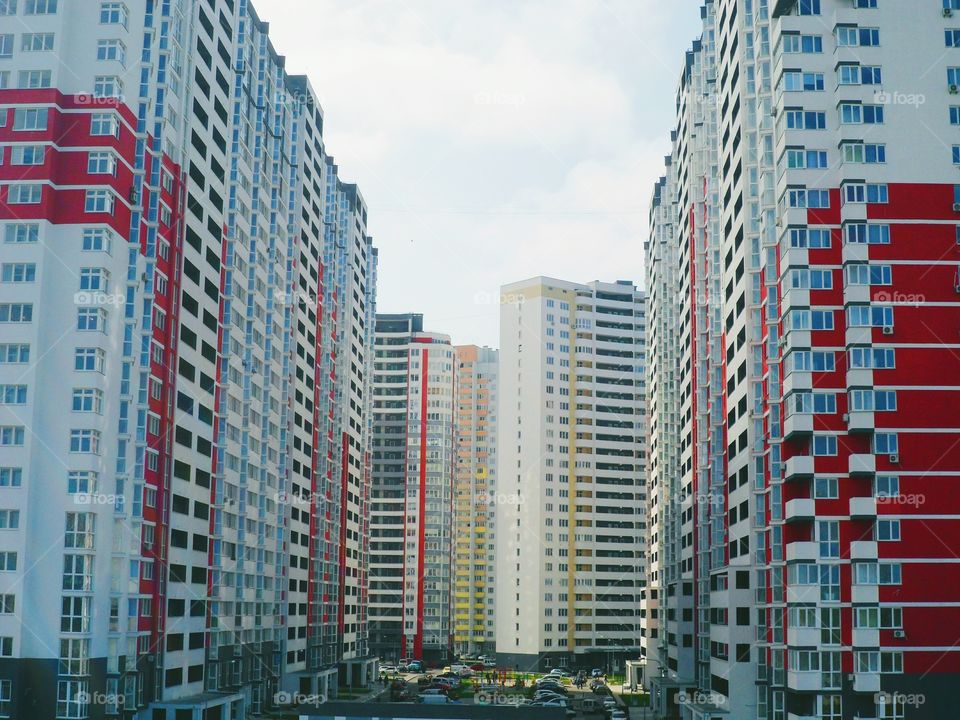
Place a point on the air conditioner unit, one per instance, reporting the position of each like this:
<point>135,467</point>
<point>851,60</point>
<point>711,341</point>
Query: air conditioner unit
<point>899,634</point>
<point>895,459</point>
<point>846,417</point>
<point>954,89</point>
<point>956,208</point>
<point>947,12</point>
<point>887,330</point>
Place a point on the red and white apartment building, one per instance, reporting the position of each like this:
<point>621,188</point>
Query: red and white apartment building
<point>186,318</point>
<point>804,335</point>
<point>413,466</point>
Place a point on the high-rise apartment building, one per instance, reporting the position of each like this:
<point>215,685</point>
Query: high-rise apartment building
<point>411,494</point>
<point>475,501</point>
<point>805,235</point>
<point>571,511</point>
<point>169,472</point>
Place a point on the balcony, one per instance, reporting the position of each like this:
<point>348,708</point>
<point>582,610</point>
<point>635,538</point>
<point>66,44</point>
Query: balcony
<point>861,422</point>
<point>856,295</point>
<point>797,380</point>
<point>859,336</point>
<point>862,464</point>
<point>865,594</point>
<point>866,637</point>
<point>803,637</point>
<point>800,510</point>
<point>798,424</point>
<point>804,681</point>
<point>803,551</point>
<point>863,508</point>
<point>796,340</point>
<point>793,299</point>
<point>866,682</point>
<point>855,253</point>
<point>793,257</point>
<point>853,212</point>
<point>863,550</point>
<point>799,467</point>
<point>859,379</point>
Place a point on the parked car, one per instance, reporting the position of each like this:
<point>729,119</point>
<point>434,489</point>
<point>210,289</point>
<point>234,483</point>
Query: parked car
<point>461,670</point>
<point>424,680</point>
<point>433,699</point>
<point>596,673</point>
<point>618,715</point>
<point>389,669</point>
<point>600,689</point>
<point>415,666</point>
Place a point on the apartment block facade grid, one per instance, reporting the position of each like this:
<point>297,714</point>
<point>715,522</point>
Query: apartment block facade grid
<point>823,588</point>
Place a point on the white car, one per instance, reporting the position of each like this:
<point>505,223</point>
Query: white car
<point>461,670</point>
<point>618,715</point>
<point>388,668</point>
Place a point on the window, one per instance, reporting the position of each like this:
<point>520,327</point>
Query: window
<point>24,194</point>
<point>793,43</point>
<point>113,13</point>
<point>112,50</point>
<point>87,400</point>
<point>27,155</point>
<point>886,486</point>
<point>96,240</point>
<point>79,530</point>
<point>81,482</point>
<point>92,319</point>
<point>36,42</point>
<point>811,159</point>
<point>952,38</point>
<point>9,519</point>
<point>21,233</point>
<point>18,272</point>
<point>101,163</point>
<point>107,86</point>
<point>824,445</point>
<point>808,7</point>
<point>8,561</point>
<point>75,614</point>
<point>77,572</point>
<point>93,279</point>
<point>869,316</point>
<point>99,201</point>
<point>13,394</point>
<point>40,7</point>
<point>955,114</point>
<point>35,79</point>
<point>30,119</point>
<point>808,198</point>
<point>11,477</point>
<point>826,488</point>
<point>828,539</point>
<point>867,153</point>
<point>869,275</point>
<point>866,193</point>
<point>8,7</point>
<point>886,443</point>
<point>6,46</point>
<point>89,360</point>
<point>16,312</point>
<point>104,124</point>
<point>85,441</point>
<point>809,238</point>
<point>806,120</point>
<point>867,234</point>
<point>821,320</point>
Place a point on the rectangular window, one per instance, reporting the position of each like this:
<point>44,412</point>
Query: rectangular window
<point>6,46</point>
<point>18,272</point>
<point>88,400</point>
<point>25,194</point>
<point>824,445</point>
<point>886,443</point>
<point>89,360</point>
<point>99,201</point>
<point>113,13</point>
<point>107,86</point>
<point>112,50</point>
<point>102,162</point>
<point>36,42</point>
<point>29,119</point>
<point>81,482</point>
<point>9,519</point>
<point>808,7</point>
<point>92,319</point>
<point>952,38</point>
<point>85,441</point>
<point>104,125</point>
<point>35,79</point>
<point>13,394</point>
<point>11,477</point>
<point>27,155</point>
<point>887,531</point>
<point>21,233</point>
<point>8,7</point>
<point>40,7</point>
<point>93,279</point>
<point>16,312</point>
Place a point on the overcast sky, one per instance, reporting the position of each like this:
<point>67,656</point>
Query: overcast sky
<point>493,140</point>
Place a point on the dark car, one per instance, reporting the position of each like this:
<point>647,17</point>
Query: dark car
<point>600,689</point>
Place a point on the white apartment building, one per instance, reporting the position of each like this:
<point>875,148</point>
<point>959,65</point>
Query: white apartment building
<point>571,519</point>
